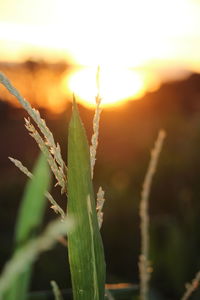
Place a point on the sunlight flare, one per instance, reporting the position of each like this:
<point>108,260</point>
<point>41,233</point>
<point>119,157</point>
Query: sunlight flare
<point>116,85</point>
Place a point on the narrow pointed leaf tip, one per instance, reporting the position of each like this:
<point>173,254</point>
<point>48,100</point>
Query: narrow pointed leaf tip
<point>74,99</point>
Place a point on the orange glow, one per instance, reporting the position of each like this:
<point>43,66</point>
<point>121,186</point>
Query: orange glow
<point>116,85</point>
<point>127,34</point>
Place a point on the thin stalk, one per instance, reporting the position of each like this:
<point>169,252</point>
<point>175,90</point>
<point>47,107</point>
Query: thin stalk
<point>144,267</point>
<point>191,287</point>
<point>54,204</point>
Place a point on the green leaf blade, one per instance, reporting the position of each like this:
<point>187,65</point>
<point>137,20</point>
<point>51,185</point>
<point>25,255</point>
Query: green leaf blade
<point>29,219</point>
<point>85,246</point>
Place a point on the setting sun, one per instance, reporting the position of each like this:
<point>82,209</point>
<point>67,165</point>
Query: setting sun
<point>124,33</point>
<point>136,45</point>
<point>115,85</point>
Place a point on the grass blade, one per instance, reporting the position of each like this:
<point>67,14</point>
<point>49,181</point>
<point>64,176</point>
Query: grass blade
<point>29,219</point>
<point>28,253</point>
<point>85,246</point>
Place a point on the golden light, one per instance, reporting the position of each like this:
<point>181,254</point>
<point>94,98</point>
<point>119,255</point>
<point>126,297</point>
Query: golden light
<point>116,85</point>
<point>125,33</point>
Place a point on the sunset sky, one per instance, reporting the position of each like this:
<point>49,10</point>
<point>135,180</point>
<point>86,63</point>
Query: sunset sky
<point>159,36</point>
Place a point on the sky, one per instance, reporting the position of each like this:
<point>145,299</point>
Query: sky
<point>123,32</point>
<point>161,38</point>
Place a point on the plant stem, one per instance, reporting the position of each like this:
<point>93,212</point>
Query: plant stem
<point>144,267</point>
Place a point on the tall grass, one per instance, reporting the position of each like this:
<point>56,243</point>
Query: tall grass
<point>84,212</point>
<point>16,275</point>
<point>85,248</point>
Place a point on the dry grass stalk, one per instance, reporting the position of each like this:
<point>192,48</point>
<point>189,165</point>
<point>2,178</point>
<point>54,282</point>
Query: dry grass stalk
<point>23,169</point>
<point>50,158</point>
<point>144,266</point>
<point>54,205</point>
<point>191,287</point>
<point>99,207</point>
<point>94,141</point>
<point>52,147</point>
<point>93,148</point>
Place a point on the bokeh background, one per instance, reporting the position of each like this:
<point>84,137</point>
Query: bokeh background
<point>149,58</point>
